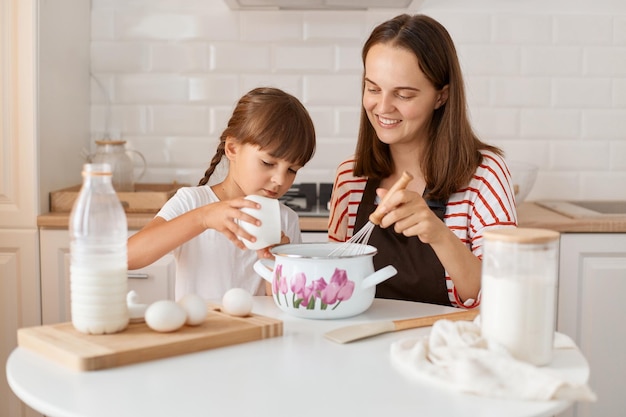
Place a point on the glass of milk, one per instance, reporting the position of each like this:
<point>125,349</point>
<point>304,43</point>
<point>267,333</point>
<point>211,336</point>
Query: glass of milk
<point>519,291</point>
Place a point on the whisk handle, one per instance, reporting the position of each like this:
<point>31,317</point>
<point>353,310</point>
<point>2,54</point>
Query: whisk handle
<point>401,184</point>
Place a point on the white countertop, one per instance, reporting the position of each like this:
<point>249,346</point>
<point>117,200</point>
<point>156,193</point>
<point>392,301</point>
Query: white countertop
<point>301,374</point>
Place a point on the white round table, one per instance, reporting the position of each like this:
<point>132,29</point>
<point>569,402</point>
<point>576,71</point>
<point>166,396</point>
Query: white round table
<point>300,373</point>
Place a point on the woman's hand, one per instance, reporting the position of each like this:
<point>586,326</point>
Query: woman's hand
<point>410,215</point>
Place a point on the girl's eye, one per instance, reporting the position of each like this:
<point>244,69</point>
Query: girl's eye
<point>267,164</point>
<point>293,171</point>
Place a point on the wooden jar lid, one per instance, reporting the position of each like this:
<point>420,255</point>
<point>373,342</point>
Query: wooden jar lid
<point>521,235</point>
<point>110,142</point>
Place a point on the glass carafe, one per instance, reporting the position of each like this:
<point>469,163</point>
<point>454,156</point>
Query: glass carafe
<point>114,153</point>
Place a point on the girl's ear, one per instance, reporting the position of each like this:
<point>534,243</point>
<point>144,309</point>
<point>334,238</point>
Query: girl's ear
<point>231,146</point>
<point>443,96</point>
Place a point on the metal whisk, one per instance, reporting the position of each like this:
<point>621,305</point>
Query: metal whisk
<point>357,244</point>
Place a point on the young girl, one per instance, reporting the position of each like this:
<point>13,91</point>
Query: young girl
<point>414,119</point>
<point>269,137</point>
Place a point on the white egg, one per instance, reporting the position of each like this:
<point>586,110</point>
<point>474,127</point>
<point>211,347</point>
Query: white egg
<point>165,316</point>
<point>136,310</point>
<point>237,302</point>
<point>195,307</point>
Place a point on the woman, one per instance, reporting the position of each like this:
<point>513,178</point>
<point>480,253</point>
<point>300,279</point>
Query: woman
<point>414,119</point>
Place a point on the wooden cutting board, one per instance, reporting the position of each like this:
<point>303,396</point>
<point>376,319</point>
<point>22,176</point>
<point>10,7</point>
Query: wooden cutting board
<point>138,343</point>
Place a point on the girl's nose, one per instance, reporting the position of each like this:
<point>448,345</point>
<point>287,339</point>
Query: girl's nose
<point>279,177</point>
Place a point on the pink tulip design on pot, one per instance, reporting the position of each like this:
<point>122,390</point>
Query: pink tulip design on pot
<point>279,284</point>
<point>339,289</point>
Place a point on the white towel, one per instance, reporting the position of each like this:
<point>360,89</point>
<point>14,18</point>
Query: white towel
<point>455,355</point>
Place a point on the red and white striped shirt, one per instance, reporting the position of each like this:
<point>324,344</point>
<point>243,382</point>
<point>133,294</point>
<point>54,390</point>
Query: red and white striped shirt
<point>487,202</point>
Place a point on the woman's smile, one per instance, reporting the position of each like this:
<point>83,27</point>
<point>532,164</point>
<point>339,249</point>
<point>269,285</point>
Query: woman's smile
<point>386,122</point>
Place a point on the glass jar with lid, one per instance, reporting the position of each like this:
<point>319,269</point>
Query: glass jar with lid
<point>519,291</point>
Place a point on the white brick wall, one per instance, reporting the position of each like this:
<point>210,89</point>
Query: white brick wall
<point>546,81</point>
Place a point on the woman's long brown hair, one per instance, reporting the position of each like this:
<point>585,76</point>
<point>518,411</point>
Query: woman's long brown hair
<point>453,152</point>
<point>273,120</point>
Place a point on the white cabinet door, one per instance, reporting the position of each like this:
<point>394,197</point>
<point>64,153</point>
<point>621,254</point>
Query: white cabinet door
<point>592,286</point>
<point>19,301</point>
<point>152,283</point>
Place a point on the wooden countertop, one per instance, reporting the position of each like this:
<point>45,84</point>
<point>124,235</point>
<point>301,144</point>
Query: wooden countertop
<point>534,215</point>
<point>529,215</point>
<point>60,220</point>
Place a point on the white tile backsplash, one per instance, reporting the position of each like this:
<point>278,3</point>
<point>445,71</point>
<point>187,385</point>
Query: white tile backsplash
<point>516,28</point>
<point>521,92</point>
<point>583,29</point>
<point>604,124</point>
<point>579,155</point>
<point>546,81</point>
<point>582,93</point>
<point>617,155</point>
<point>551,60</point>
<point>549,123</point>
<point>271,27</point>
<point>298,58</point>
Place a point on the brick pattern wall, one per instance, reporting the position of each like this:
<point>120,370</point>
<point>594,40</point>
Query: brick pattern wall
<point>546,81</point>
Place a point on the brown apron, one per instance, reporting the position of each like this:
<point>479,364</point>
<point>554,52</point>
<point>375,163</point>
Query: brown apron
<point>421,277</point>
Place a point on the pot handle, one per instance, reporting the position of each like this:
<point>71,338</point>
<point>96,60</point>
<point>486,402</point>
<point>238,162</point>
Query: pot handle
<point>379,276</point>
<point>264,267</point>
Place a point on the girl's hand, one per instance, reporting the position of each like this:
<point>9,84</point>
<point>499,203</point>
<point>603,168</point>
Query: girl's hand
<point>411,216</point>
<point>265,252</point>
<point>224,215</point>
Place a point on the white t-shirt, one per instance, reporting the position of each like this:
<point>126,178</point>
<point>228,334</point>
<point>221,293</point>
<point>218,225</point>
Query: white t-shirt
<point>210,264</point>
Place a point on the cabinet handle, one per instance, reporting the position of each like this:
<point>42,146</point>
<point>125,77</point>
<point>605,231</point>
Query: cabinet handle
<point>132,275</point>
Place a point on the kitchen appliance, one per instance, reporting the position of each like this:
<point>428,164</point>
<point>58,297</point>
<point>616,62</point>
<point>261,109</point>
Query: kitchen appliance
<point>308,199</point>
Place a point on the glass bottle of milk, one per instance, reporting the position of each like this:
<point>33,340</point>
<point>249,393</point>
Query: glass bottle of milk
<point>98,257</point>
<point>518,292</point>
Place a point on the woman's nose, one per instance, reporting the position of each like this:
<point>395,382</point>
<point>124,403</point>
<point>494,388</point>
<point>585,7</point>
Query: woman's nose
<point>385,104</point>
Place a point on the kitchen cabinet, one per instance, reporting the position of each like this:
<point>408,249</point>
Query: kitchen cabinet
<point>152,283</point>
<point>592,284</point>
